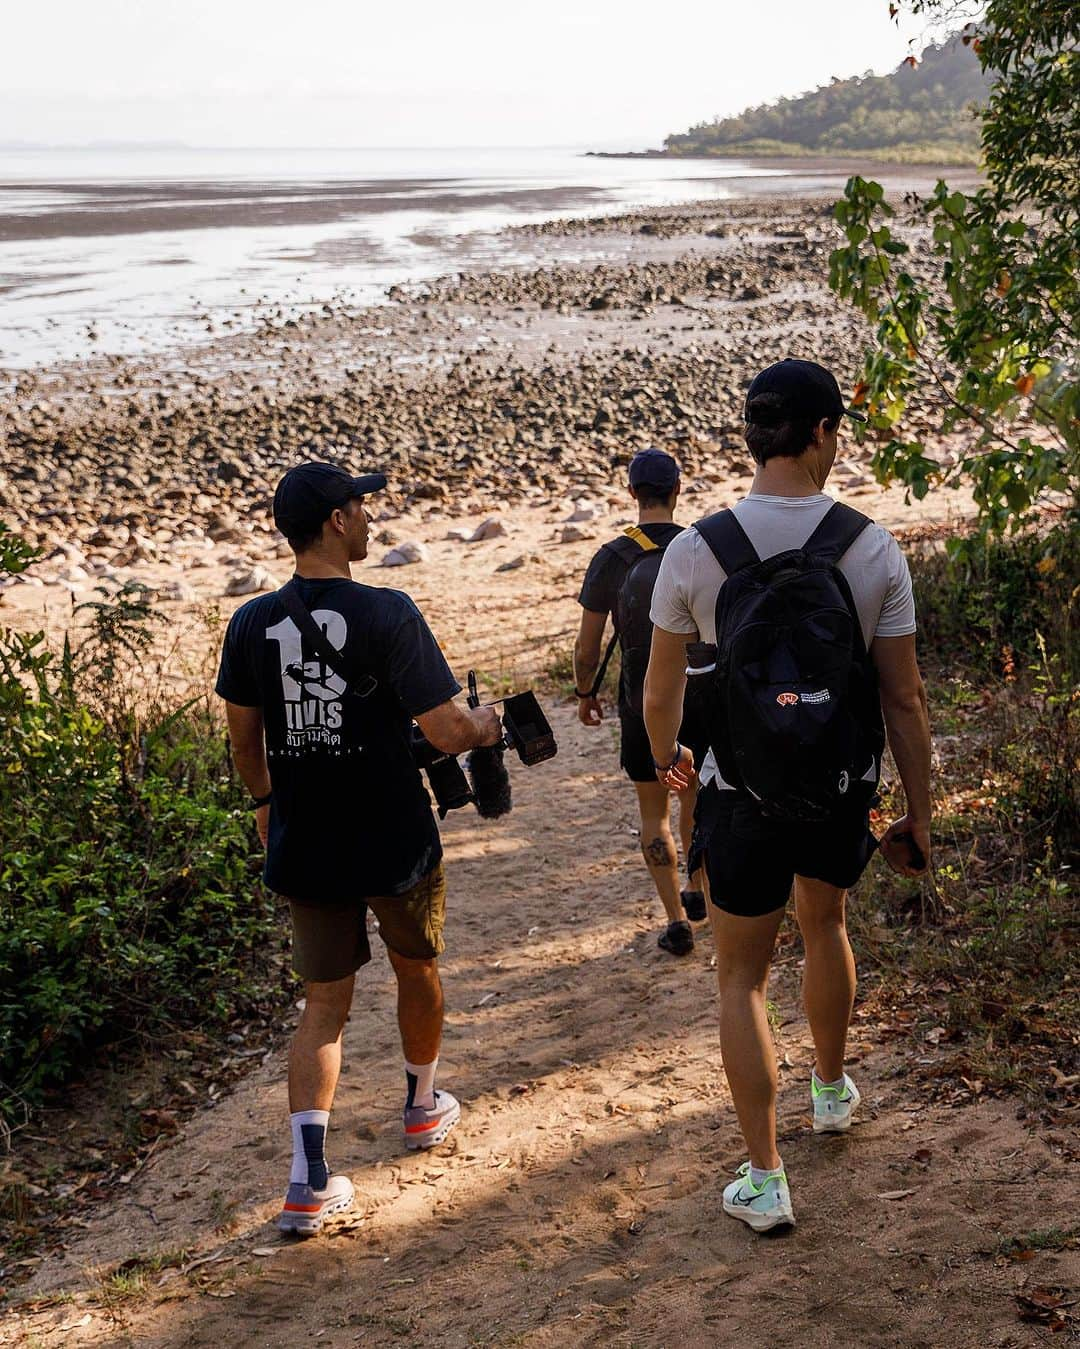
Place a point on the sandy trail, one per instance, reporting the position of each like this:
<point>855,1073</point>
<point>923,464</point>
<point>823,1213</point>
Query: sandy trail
<point>578,1201</point>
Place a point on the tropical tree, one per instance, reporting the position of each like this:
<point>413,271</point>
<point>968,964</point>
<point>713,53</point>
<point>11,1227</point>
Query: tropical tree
<point>991,330</point>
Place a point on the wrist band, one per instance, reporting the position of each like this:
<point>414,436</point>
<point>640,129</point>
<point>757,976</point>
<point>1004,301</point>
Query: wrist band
<point>660,768</point>
<point>257,802</point>
<point>591,693</point>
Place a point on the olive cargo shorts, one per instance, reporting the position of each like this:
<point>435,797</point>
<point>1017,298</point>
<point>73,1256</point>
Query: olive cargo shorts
<point>330,941</point>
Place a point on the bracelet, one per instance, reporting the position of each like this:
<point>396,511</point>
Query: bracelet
<point>579,694</point>
<point>661,768</point>
<point>257,802</point>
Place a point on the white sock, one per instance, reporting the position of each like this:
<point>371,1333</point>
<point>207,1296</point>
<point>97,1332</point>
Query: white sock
<point>759,1177</point>
<point>309,1148</point>
<point>421,1080</point>
<point>835,1085</point>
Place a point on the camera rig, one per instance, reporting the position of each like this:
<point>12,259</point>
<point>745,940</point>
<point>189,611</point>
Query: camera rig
<point>526,730</point>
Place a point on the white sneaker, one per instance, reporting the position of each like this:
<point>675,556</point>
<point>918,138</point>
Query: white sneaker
<point>833,1106</point>
<point>761,1206</point>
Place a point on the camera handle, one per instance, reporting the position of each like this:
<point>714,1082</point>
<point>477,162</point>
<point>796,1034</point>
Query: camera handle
<point>473,700</point>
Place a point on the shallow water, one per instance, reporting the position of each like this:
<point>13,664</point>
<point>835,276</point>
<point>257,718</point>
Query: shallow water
<point>126,251</point>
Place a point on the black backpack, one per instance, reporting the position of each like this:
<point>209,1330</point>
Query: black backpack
<point>633,626</point>
<point>796,719</point>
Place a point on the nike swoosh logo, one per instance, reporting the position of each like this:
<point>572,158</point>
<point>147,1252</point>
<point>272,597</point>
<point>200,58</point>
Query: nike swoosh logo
<point>738,1199</point>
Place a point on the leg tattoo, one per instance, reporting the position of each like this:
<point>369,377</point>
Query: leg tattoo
<point>659,853</point>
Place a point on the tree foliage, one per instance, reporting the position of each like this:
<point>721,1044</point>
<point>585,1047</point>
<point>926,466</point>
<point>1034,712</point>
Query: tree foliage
<point>991,331</point>
<point>928,111</point>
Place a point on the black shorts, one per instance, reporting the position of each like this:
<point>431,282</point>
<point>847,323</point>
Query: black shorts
<point>752,862</point>
<point>635,753</point>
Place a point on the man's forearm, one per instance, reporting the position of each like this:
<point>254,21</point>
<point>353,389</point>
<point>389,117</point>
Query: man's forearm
<point>251,765</point>
<point>586,665</point>
<point>907,725</point>
<point>454,729</point>
<point>663,717</point>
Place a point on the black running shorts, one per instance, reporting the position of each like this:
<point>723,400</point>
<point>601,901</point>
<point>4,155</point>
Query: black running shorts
<point>635,754</point>
<point>752,862</point>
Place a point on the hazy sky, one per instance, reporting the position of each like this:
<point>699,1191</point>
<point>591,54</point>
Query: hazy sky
<point>429,72</point>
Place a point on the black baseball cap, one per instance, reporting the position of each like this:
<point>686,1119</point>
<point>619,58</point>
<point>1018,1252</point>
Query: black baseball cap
<point>308,493</point>
<point>653,468</point>
<point>802,390</point>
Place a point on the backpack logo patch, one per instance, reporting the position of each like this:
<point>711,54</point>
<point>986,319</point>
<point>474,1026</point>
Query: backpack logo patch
<point>787,699</point>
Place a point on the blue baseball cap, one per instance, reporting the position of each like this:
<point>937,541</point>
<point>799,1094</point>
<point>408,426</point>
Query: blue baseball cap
<point>654,468</point>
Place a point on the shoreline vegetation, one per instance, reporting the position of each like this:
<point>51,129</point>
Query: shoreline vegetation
<point>926,111</point>
<point>947,154</point>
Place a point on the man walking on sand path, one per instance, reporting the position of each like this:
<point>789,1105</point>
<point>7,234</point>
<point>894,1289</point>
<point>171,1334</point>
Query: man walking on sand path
<point>340,806</point>
<point>805,620</point>
<point>619,582</point>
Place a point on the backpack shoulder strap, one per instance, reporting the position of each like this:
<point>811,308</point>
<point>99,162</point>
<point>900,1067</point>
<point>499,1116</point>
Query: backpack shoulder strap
<point>839,529</point>
<point>727,541</point>
<point>642,539</point>
<point>361,685</point>
<point>625,549</point>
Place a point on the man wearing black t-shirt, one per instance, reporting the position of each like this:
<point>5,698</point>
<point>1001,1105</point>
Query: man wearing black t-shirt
<point>324,748</point>
<point>607,589</point>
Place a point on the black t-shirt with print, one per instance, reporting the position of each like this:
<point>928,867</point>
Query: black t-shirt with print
<point>350,815</point>
<point>607,571</point>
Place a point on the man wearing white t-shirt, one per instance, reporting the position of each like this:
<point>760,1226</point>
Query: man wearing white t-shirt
<point>793,412</point>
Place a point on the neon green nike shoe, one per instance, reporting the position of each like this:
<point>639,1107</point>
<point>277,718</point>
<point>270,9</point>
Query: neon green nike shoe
<point>763,1206</point>
<point>833,1106</point>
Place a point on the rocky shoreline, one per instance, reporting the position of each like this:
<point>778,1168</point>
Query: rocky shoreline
<point>476,391</point>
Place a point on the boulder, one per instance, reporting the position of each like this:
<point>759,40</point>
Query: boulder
<point>250,581</point>
<point>492,528</point>
<point>406,553</point>
<point>178,591</point>
<point>515,562</point>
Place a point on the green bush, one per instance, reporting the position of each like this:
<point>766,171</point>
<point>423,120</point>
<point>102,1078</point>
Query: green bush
<point>995,602</point>
<point>129,899</point>
<point>998,625</point>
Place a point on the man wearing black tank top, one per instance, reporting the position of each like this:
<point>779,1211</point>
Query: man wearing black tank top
<point>654,488</point>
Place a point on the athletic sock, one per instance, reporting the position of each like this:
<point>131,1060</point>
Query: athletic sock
<point>421,1083</point>
<point>309,1148</point>
<point>836,1086</point>
<point>759,1177</point>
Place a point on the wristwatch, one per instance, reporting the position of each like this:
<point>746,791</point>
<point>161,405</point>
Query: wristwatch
<point>257,802</point>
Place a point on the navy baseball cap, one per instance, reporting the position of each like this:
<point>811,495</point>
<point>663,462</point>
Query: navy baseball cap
<point>800,391</point>
<point>307,495</point>
<point>654,468</point>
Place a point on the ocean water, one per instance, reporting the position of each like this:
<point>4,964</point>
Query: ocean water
<point>128,251</point>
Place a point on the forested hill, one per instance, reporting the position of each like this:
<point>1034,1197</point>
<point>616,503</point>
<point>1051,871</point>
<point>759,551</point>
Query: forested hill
<point>915,113</point>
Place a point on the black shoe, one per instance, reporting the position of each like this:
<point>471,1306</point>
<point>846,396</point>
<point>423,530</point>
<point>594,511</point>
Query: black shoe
<point>693,902</point>
<point>678,938</point>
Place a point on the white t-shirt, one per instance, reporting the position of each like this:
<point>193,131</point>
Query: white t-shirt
<point>684,597</point>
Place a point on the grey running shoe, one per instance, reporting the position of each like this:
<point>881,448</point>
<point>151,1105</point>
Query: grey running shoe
<point>693,902</point>
<point>678,938</point>
<point>306,1208</point>
<point>428,1128</point>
